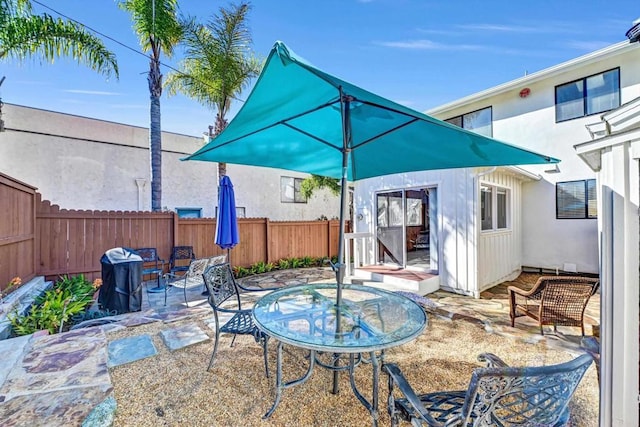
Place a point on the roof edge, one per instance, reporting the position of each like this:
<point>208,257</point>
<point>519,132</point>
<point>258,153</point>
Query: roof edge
<point>595,56</point>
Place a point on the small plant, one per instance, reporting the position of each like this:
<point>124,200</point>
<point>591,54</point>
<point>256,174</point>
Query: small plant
<point>53,309</point>
<point>296,263</point>
<point>284,264</point>
<point>240,272</point>
<point>306,261</point>
<point>16,281</point>
<point>259,267</point>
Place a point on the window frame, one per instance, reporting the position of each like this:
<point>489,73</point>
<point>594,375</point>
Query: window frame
<point>460,118</point>
<point>585,95</point>
<point>494,208</point>
<point>188,210</point>
<point>586,198</point>
<point>241,212</point>
<point>297,195</point>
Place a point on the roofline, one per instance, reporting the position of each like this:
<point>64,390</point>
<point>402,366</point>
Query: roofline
<point>598,55</point>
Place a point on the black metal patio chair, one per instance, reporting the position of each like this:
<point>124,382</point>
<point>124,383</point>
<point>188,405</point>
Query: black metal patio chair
<point>181,257</point>
<point>222,287</point>
<point>498,395</point>
<point>152,264</point>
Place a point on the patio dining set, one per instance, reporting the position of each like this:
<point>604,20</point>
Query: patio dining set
<point>368,321</point>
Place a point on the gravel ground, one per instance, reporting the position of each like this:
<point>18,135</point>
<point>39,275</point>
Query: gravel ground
<point>174,388</point>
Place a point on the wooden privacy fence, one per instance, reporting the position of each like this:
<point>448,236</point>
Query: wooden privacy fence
<point>72,241</point>
<point>17,230</point>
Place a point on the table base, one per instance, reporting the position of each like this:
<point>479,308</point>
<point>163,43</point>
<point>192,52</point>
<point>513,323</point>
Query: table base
<point>354,360</point>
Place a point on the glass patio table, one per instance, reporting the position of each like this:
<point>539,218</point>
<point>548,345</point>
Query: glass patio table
<point>368,321</point>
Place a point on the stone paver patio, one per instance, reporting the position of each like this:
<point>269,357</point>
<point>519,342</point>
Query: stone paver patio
<point>64,379</point>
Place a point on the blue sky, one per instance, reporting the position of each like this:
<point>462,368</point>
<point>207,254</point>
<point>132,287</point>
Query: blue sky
<point>416,52</point>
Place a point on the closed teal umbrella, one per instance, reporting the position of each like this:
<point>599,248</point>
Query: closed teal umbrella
<point>300,118</point>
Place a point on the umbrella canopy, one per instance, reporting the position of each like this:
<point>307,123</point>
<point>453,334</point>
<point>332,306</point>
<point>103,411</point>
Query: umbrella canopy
<point>300,118</point>
<point>226,224</point>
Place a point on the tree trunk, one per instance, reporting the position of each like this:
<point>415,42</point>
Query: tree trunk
<point>221,123</point>
<point>155,135</point>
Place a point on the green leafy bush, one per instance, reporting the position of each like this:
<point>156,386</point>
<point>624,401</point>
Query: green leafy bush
<point>53,309</point>
<point>282,264</point>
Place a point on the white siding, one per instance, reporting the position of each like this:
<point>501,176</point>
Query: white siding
<point>530,123</point>
<point>500,252</point>
<point>456,213</point>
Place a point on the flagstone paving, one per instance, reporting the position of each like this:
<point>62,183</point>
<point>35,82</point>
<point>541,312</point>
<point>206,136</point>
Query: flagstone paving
<point>63,379</point>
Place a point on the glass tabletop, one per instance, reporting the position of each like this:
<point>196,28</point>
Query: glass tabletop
<point>369,319</point>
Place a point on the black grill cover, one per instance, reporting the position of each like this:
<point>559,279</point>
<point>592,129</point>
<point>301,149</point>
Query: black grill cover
<point>121,288</point>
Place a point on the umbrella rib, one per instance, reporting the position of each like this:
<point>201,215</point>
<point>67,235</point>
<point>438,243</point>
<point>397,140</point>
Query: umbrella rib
<point>310,135</point>
<point>281,122</point>
<point>415,119</point>
<point>440,123</point>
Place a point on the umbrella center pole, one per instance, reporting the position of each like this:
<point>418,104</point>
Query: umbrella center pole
<point>344,192</point>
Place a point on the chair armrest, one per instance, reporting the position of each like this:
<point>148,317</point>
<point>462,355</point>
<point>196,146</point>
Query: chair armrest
<point>516,290</point>
<point>244,288</point>
<point>492,360</point>
<point>396,377</point>
<point>172,277</point>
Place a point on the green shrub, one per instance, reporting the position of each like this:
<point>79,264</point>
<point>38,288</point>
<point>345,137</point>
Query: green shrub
<point>284,264</point>
<point>53,309</point>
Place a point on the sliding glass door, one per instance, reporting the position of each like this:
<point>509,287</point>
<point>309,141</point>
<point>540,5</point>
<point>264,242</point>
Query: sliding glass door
<point>406,228</point>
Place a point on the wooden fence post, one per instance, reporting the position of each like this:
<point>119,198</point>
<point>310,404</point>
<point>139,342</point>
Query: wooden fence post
<point>329,234</point>
<point>176,227</point>
<point>268,239</point>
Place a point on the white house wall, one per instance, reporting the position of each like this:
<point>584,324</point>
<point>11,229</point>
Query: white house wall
<point>500,251</point>
<point>530,123</point>
<point>82,163</point>
<point>616,156</point>
<point>456,218</point>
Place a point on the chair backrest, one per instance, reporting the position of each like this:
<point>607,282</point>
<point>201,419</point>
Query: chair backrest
<point>511,396</point>
<point>197,268</point>
<point>218,259</point>
<point>220,283</point>
<point>181,257</point>
<point>564,302</point>
<point>148,255</point>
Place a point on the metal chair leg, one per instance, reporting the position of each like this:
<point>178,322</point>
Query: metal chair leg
<point>265,340</point>
<point>215,348</point>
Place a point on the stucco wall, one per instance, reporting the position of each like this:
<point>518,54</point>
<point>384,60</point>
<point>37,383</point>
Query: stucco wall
<point>83,163</point>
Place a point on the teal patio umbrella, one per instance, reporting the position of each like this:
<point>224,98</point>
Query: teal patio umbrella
<point>301,118</point>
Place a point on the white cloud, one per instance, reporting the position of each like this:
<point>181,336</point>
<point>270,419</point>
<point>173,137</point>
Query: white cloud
<point>424,44</point>
<point>586,45</point>
<point>91,92</point>
<point>547,28</point>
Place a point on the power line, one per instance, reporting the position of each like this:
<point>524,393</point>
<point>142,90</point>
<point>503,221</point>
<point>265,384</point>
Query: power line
<point>122,44</point>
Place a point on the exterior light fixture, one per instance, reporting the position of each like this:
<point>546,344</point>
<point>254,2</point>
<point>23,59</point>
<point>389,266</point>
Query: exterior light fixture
<point>634,32</point>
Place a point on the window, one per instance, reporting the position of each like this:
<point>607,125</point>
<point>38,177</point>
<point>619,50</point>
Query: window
<point>494,207</point>
<point>290,190</point>
<point>240,212</point>
<point>189,212</point>
<point>478,121</point>
<point>576,199</point>
<point>591,95</point>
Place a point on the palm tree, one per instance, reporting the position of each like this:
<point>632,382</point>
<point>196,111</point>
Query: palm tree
<point>156,24</point>
<point>218,63</point>
<point>24,35</point>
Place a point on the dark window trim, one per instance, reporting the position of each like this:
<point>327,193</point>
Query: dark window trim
<point>185,209</point>
<point>584,97</point>
<point>586,199</point>
<point>461,117</point>
<point>295,179</point>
